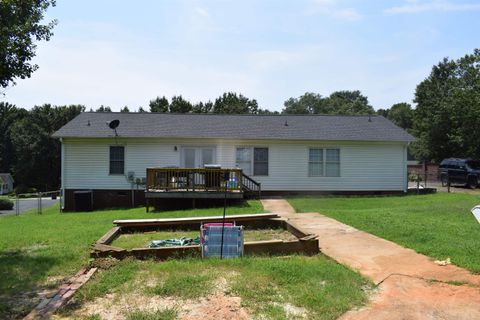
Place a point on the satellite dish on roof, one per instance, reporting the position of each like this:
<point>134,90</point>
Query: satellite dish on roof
<point>114,124</point>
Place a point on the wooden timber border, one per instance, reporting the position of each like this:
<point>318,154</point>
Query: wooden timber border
<point>306,243</point>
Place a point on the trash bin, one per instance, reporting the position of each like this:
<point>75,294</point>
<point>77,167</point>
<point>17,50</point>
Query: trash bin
<point>213,176</point>
<point>83,200</point>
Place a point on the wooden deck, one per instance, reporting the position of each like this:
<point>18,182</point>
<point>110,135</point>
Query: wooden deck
<point>188,183</point>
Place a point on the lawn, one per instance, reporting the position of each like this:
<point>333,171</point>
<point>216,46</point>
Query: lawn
<point>438,225</point>
<point>269,288</point>
<point>40,251</point>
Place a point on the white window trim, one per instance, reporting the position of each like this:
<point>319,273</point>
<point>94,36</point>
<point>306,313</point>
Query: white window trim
<point>324,162</point>
<point>252,162</point>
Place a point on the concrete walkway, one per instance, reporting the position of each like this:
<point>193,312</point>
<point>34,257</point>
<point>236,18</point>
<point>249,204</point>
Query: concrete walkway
<point>409,285</point>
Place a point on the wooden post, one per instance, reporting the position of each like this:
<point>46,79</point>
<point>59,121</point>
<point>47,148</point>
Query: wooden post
<point>425,172</point>
<point>17,205</point>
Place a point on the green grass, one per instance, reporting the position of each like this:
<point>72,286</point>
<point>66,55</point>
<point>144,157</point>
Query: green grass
<point>324,288</point>
<point>142,240</point>
<point>39,251</point>
<point>166,314</point>
<point>438,225</point>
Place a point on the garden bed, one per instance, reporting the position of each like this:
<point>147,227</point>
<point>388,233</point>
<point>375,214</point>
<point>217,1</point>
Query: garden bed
<point>264,234</point>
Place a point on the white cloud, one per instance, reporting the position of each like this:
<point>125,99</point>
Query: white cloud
<point>417,6</point>
<point>332,9</point>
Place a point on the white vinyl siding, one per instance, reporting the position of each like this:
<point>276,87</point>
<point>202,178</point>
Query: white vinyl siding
<point>364,166</point>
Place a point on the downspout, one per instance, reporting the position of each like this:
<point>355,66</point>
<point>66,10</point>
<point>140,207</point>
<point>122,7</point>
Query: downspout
<point>62,176</point>
<point>405,168</point>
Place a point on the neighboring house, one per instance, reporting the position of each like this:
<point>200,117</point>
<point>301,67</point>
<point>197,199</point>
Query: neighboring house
<point>6,183</point>
<point>285,153</point>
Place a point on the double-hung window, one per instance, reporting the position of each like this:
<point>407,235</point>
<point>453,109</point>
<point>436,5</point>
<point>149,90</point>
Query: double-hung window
<point>117,160</point>
<point>323,162</point>
<point>253,160</point>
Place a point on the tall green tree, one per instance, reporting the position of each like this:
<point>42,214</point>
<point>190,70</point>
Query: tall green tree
<point>103,108</point>
<point>159,105</point>
<point>20,28</point>
<point>349,103</point>
<point>401,114</point>
<point>125,109</point>
<point>9,114</point>
<point>308,103</point>
<point>37,154</point>
<point>233,103</point>
<point>180,105</point>
<point>202,107</point>
<point>339,102</point>
<point>447,116</point>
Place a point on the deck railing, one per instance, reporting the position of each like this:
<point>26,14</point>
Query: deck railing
<point>184,179</point>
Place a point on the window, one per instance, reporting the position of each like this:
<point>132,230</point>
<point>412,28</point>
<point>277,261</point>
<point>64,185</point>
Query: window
<point>332,163</point>
<point>260,161</point>
<point>315,162</point>
<point>117,160</point>
<point>323,162</point>
<point>253,160</point>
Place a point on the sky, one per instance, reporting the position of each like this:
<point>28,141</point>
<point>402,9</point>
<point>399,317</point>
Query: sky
<point>125,53</point>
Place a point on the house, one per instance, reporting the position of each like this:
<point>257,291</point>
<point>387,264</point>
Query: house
<point>6,183</point>
<point>280,153</point>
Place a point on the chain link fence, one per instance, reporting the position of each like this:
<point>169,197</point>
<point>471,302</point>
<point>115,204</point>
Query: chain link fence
<point>25,201</point>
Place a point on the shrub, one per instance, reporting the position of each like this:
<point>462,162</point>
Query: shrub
<point>6,204</point>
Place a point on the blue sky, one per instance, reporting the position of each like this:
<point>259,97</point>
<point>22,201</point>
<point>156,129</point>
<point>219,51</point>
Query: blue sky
<point>119,53</point>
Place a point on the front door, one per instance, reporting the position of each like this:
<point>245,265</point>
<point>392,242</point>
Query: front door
<point>197,157</point>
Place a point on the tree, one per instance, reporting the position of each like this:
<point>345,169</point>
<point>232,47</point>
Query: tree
<point>447,116</point>
<point>401,114</point>
<point>103,108</point>
<point>124,109</point>
<point>37,154</point>
<point>201,107</point>
<point>159,105</point>
<point>383,112</point>
<point>141,110</point>
<point>232,103</point>
<point>339,102</point>
<point>20,28</point>
<point>349,103</point>
<point>308,103</point>
<point>180,105</point>
<point>266,111</point>
<point>9,114</point>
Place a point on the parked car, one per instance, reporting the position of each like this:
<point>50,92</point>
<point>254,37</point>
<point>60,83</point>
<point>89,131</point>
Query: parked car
<point>460,171</point>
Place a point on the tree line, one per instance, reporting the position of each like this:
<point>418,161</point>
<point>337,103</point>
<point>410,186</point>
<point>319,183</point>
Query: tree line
<point>445,120</point>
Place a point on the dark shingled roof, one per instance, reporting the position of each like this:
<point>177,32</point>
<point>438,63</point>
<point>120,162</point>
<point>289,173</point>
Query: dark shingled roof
<point>277,127</point>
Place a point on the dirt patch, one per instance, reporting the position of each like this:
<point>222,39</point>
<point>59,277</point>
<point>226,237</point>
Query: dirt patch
<point>116,307</point>
<point>104,263</point>
<point>402,297</point>
<point>218,305</point>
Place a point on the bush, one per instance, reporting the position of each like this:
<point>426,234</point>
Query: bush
<point>6,204</point>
